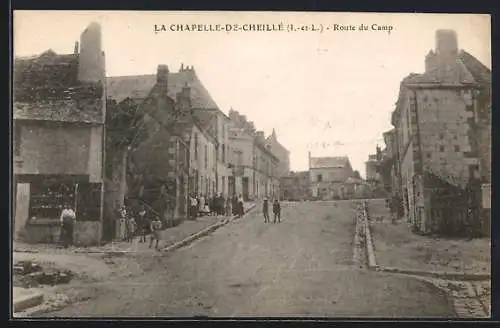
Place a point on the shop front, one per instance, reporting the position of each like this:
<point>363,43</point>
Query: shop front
<point>39,200</point>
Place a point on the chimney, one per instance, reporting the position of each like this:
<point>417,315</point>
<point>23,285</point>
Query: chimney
<point>184,98</point>
<point>162,76</point>
<point>91,64</point>
<point>76,48</point>
<point>446,43</point>
<point>431,63</point>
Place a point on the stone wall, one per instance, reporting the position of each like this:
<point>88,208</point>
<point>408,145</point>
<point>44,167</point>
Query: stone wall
<point>53,149</point>
<point>86,233</point>
<point>444,133</point>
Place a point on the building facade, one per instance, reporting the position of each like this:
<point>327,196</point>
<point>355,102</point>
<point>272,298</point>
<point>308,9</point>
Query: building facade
<point>254,166</point>
<point>181,147</point>
<point>442,122</point>
<point>59,116</point>
<point>328,177</point>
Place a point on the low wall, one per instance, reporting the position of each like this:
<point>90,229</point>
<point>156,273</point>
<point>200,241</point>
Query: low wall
<point>86,233</point>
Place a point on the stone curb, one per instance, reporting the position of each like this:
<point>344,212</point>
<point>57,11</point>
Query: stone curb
<point>439,274</point>
<point>202,233</point>
<point>435,274</point>
<point>181,243</point>
<point>372,263</point>
<point>27,301</point>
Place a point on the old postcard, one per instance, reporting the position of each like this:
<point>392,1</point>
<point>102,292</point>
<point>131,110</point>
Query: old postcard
<point>251,164</point>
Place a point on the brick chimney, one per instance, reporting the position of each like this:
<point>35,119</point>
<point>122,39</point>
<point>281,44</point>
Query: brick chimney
<point>162,76</point>
<point>184,98</point>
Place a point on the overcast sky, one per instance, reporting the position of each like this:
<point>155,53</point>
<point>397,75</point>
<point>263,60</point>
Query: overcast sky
<point>330,93</point>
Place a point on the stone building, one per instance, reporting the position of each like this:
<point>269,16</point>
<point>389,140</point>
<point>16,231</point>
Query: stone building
<point>442,126</point>
<point>58,143</point>
<point>328,177</point>
<point>295,186</point>
<point>181,140</point>
<point>254,166</point>
<point>281,153</point>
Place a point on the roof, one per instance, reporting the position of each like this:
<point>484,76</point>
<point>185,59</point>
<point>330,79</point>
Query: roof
<point>469,71</point>
<point>478,70</point>
<point>139,86</point>
<point>46,87</point>
<point>89,111</point>
<point>328,162</point>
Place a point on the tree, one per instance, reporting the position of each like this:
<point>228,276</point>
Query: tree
<point>124,130</point>
<point>357,175</point>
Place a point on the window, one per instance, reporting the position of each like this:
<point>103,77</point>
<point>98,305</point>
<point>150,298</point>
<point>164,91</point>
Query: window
<point>457,148</point>
<point>17,139</point>
<point>196,146</point>
<point>223,153</point>
<point>441,148</point>
<point>319,177</point>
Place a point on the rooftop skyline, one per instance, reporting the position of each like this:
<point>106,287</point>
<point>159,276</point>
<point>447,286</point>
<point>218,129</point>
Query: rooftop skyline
<point>328,93</point>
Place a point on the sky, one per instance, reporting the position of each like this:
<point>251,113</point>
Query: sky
<point>330,92</point>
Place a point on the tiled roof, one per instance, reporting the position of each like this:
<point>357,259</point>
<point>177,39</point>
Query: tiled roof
<point>138,87</point>
<point>46,87</point>
<point>85,111</point>
<point>479,71</point>
<point>328,162</point>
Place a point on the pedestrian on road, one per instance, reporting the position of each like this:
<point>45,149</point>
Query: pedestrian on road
<point>201,204</point>
<point>143,225</point>
<point>131,226</point>
<point>213,205</point>
<point>241,206</point>
<point>193,208</point>
<point>229,207</point>
<point>235,205</point>
<point>277,210</point>
<point>155,228</point>
<point>265,210</point>
<point>221,204</point>
<point>68,218</point>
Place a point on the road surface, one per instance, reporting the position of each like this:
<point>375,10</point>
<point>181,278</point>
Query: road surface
<point>300,267</point>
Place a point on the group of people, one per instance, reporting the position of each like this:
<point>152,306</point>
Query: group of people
<point>200,205</point>
<point>145,224</point>
<point>276,210</point>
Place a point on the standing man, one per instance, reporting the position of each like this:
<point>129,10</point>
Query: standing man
<point>265,210</point>
<point>68,218</point>
<point>277,210</point>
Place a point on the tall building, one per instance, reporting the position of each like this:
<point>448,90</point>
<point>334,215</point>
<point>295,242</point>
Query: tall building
<point>442,126</point>
<point>59,115</point>
<point>281,153</point>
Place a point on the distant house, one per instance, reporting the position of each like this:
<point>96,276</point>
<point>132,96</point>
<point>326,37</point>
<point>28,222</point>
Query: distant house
<point>59,115</point>
<point>295,186</point>
<point>328,177</point>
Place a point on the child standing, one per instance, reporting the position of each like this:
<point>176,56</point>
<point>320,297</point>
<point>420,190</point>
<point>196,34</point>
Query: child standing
<point>277,210</point>
<point>155,231</point>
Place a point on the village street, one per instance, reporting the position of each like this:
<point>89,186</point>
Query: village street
<point>302,266</point>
